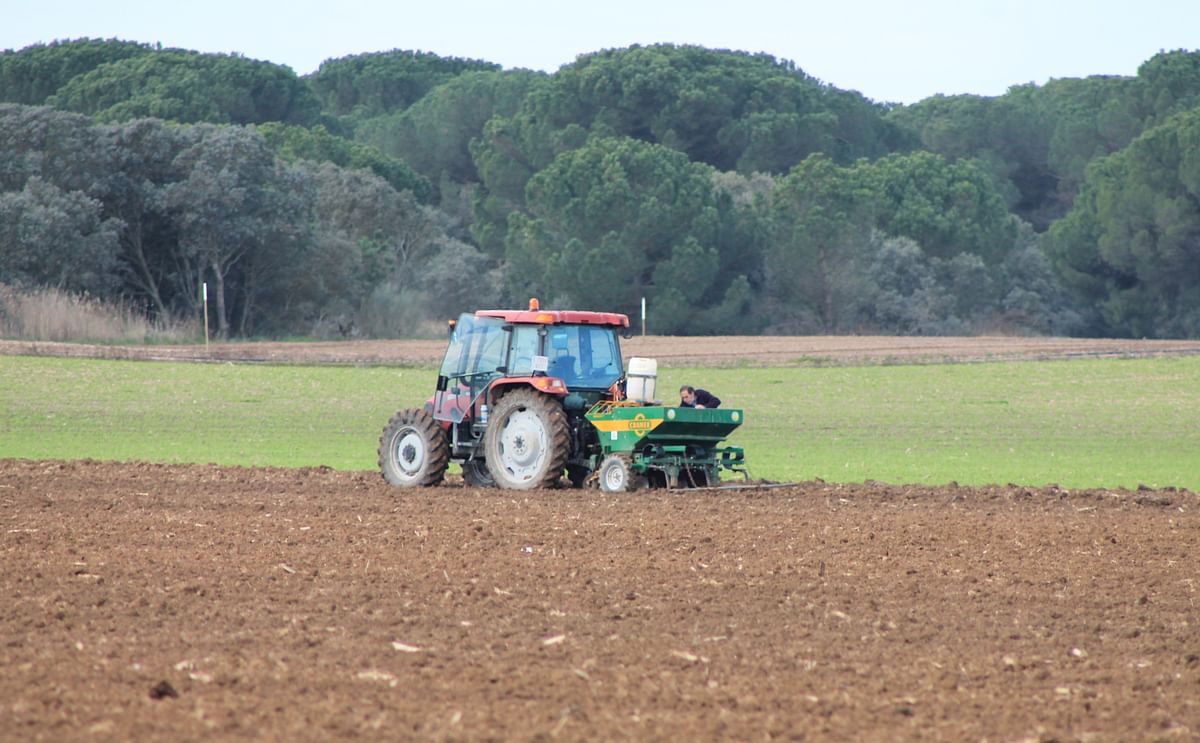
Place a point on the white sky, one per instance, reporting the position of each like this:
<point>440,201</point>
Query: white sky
<point>888,50</point>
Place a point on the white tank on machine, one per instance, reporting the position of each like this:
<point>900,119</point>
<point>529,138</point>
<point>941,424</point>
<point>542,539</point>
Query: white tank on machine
<point>640,379</point>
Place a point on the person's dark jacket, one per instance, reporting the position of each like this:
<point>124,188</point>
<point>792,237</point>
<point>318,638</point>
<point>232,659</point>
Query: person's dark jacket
<point>705,399</point>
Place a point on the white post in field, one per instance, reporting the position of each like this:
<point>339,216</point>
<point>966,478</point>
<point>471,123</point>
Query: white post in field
<point>205,292</point>
<point>643,315</point>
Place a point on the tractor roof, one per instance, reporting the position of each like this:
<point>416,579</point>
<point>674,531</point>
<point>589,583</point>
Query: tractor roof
<point>557,317</point>
<point>535,315</point>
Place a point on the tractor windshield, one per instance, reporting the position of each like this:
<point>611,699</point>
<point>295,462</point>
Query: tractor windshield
<point>477,347</point>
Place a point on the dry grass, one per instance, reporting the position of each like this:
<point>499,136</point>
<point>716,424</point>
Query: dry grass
<point>49,314</point>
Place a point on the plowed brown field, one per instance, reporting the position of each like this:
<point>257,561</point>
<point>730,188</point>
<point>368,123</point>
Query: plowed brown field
<point>155,602</point>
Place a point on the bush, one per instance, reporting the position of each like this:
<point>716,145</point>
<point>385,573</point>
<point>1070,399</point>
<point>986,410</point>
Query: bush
<point>400,313</point>
<point>50,314</point>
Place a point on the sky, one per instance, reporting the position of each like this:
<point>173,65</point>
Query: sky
<point>890,51</point>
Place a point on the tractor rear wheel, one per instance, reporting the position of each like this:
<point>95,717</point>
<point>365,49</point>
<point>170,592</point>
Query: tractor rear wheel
<point>475,472</point>
<point>615,475</point>
<point>527,443</point>
<point>413,451</point>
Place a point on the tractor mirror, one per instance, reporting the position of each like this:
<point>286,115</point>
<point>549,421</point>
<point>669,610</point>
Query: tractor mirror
<point>441,383</point>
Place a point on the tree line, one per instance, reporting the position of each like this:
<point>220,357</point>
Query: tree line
<point>732,190</point>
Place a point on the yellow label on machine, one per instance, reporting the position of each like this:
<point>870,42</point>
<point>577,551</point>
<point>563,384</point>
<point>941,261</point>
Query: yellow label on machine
<point>639,424</point>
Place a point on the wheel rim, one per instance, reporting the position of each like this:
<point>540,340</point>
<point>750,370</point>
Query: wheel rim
<point>523,444</point>
<point>409,451</point>
<point>614,477</point>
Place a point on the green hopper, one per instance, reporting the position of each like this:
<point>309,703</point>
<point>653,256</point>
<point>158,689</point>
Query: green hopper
<point>663,446</point>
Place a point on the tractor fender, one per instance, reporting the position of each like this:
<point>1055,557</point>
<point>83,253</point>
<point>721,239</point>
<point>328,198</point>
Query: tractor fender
<point>547,385</point>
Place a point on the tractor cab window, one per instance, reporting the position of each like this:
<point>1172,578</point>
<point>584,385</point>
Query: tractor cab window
<point>562,352</point>
<point>583,355</point>
<point>600,356</point>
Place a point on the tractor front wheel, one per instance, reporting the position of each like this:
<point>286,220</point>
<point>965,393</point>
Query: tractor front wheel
<point>527,443</point>
<point>413,451</point>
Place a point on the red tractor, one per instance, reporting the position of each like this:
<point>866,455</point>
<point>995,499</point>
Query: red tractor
<point>510,402</point>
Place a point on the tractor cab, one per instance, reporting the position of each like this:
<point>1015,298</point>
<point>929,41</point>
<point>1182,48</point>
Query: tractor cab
<point>571,358</point>
<point>488,352</point>
<point>488,348</point>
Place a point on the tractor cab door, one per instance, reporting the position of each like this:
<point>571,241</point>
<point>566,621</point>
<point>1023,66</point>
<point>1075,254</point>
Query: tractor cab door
<point>524,350</point>
<point>475,357</point>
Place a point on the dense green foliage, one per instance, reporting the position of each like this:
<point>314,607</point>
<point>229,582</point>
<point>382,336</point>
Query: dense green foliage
<point>434,134</point>
<point>733,111</point>
<point>1132,243</point>
<point>1083,423</point>
<point>373,84</point>
<point>153,210</point>
<point>37,72</point>
<point>188,87</point>
<point>619,219</point>
<point>732,191</point>
<point>1038,141</point>
<point>317,144</point>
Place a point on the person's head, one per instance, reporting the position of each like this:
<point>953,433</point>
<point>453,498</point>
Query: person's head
<point>687,393</point>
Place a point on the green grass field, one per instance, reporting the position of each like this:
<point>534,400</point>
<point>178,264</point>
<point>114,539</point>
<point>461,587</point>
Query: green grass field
<point>1097,423</point>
